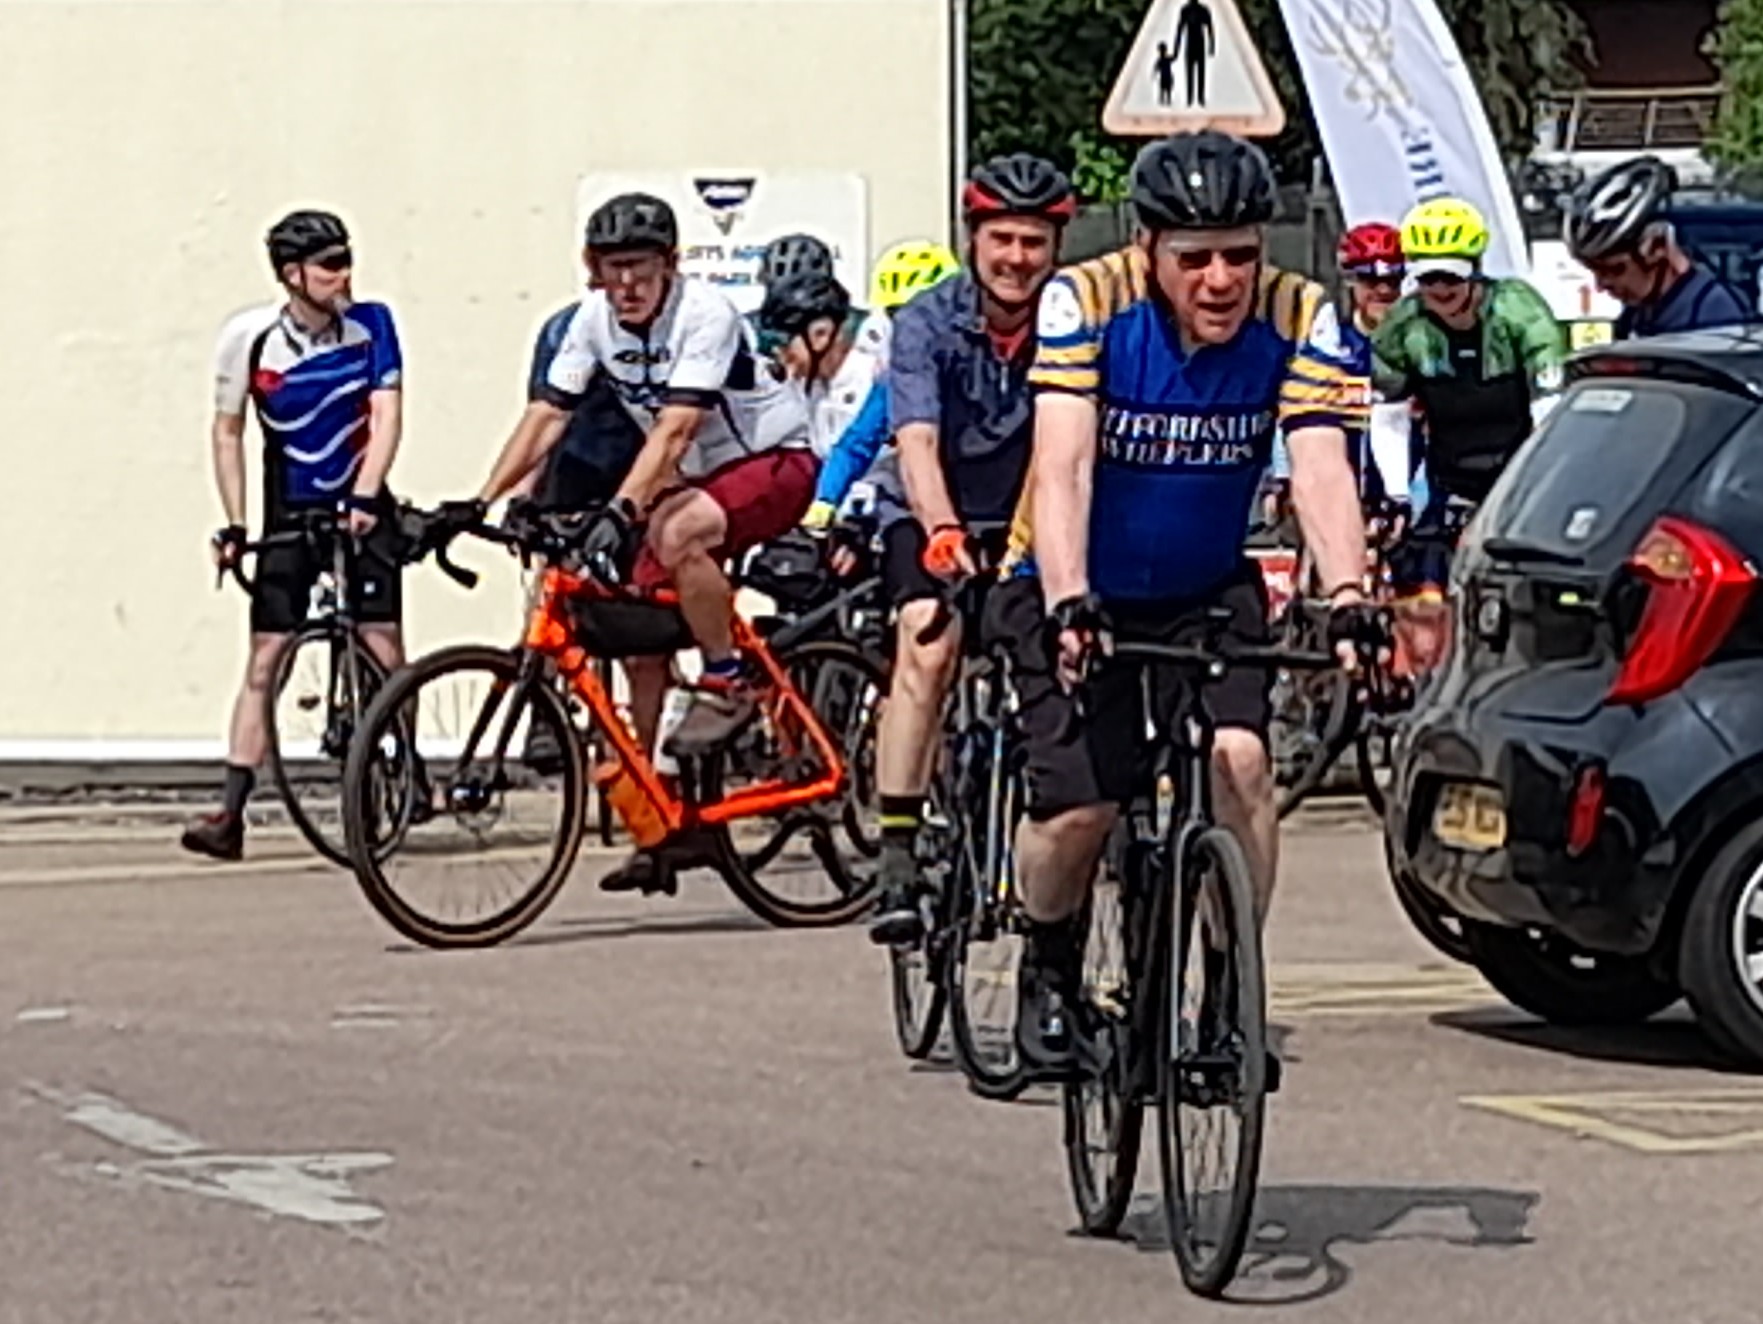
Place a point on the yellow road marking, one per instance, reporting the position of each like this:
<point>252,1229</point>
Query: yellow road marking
<point>1621,1117</point>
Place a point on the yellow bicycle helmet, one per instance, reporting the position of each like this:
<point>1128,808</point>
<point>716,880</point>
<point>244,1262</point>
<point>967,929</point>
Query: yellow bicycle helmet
<point>1444,228</point>
<point>908,269</point>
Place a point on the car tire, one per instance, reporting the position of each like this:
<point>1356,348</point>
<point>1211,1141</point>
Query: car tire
<point>1709,960</point>
<point>1441,927</point>
<point>1542,973</point>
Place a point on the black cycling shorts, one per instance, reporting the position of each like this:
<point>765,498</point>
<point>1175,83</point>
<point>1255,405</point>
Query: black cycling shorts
<point>1101,756</point>
<point>287,572</point>
<point>904,577</point>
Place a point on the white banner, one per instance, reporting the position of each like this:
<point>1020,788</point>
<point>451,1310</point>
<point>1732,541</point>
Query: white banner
<point>1400,119</point>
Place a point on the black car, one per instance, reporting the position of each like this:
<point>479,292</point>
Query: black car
<point>1578,799</point>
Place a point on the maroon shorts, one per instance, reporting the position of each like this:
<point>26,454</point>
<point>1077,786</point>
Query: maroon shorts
<point>764,497</point>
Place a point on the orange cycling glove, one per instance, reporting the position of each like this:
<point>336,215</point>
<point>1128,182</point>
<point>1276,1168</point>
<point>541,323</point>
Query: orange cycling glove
<point>944,550</point>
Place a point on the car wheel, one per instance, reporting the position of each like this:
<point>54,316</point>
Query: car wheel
<point>1441,928</point>
<point>1720,960</point>
<point>1544,974</point>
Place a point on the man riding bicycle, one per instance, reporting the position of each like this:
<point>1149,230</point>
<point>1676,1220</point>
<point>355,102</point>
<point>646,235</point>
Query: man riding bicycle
<point>725,462</point>
<point>959,405</point>
<point>324,376</point>
<point>1163,373</point>
<point>1478,355</point>
<point>1616,225</point>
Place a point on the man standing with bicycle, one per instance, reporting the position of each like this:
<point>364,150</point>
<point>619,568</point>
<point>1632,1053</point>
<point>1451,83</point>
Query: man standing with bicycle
<point>960,409</point>
<point>324,375</point>
<point>1163,374</point>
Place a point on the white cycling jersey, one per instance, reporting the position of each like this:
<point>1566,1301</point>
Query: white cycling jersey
<point>695,351</point>
<point>833,404</point>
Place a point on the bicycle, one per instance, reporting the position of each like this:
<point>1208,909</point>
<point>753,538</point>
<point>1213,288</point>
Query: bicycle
<point>787,759</point>
<point>1318,719</point>
<point>966,850</point>
<point>324,668</point>
<point>1173,1010</point>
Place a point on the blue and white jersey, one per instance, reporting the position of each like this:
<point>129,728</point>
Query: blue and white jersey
<point>311,392</point>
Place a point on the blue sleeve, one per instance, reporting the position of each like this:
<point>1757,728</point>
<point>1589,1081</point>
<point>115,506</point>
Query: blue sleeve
<point>913,389</point>
<point>856,448</point>
<point>385,361</point>
<point>550,340</point>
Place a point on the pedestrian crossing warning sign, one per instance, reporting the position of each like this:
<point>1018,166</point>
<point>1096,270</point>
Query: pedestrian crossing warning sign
<point>1193,66</point>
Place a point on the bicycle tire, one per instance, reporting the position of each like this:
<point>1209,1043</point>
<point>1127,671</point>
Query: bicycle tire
<point>334,848</point>
<point>1184,1070</point>
<point>384,716</point>
<point>605,820</point>
<point>1102,1201</point>
<point>743,872</point>
<point>917,1023</point>
<point>986,1076</point>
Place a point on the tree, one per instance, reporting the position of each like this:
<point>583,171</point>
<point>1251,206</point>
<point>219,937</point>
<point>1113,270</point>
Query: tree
<point>1736,46</point>
<point>1041,69</point>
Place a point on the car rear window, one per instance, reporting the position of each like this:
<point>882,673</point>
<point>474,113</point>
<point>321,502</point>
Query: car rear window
<point>1608,460</point>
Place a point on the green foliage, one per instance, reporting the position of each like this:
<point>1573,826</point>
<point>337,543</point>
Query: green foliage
<point>1736,46</point>
<point>1040,71</point>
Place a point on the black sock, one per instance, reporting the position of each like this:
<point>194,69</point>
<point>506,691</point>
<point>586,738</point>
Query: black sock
<point>239,782</point>
<point>900,817</point>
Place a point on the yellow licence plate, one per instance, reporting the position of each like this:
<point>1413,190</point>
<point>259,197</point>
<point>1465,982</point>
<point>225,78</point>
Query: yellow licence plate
<point>1470,817</point>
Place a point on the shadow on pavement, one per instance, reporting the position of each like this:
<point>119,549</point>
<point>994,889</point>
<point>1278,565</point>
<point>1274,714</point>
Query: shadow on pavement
<point>1674,1041</point>
<point>1291,1257</point>
<point>600,929</point>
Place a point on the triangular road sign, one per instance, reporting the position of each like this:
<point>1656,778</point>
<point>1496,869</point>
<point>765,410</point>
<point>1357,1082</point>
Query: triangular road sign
<point>1193,66</point>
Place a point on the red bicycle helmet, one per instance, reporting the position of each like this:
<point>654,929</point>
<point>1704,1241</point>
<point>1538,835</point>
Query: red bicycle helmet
<point>1372,249</point>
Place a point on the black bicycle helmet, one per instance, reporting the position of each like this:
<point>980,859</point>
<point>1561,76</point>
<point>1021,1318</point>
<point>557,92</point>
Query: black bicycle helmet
<point>1610,213</point>
<point>797,302</point>
<point>632,222</point>
<point>1202,181</point>
<point>1018,185</point>
<point>794,255</point>
<point>303,234</point>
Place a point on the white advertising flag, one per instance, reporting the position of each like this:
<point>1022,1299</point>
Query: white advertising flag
<point>1400,119</point>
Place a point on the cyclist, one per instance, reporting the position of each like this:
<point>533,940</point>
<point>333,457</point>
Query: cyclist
<point>901,274</point>
<point>600,441</point>
<point>725,462</point>
<point>1163,372</point>
<point>1477,356</point>
<point>788,255</point>
<point>1370,258</point>
<point>1616,225</point>
<point>962,417</point>
<point>324,376</point>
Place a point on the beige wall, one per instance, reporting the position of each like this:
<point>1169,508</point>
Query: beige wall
<point>145,147</point>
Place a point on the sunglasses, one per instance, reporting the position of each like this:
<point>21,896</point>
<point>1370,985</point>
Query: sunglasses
<point>1441,280</point>
<point>340,259</point>
<point>1198,259</point>
<point>1377,275</point>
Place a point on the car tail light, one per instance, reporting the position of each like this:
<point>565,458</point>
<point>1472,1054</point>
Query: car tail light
<point>1699,584</point>
<point>1586,810</point>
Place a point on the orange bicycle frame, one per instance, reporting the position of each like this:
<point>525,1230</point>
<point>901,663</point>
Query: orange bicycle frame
<point>549,632</point>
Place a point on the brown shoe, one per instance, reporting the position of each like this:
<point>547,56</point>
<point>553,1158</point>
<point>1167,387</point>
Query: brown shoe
<point>219,835</point>
<point>718,711</point>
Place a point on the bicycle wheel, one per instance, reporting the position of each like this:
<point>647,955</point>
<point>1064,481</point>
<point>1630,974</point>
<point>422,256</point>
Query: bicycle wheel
<point>1104,1114</point>
<point>323,679</point>
<point>921,993</point>
<point>605,820</point>
<point>809,866</point>
<point>1214,1063</point>
<point>984,953</point>
<point>436,798</point>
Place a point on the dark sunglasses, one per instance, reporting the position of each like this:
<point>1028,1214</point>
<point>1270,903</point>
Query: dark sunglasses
<point>1373,276</point>
<point>341,259</point>
<point>1441,280</point>
<point>1198,259</point>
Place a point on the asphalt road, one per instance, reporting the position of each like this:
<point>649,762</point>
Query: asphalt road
<point>228,1094</point>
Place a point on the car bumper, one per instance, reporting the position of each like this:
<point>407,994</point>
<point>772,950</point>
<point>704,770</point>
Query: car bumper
<point>1611,896</point>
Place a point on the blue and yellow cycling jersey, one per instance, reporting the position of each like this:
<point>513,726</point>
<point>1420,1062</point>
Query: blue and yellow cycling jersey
<point>1184,435</point>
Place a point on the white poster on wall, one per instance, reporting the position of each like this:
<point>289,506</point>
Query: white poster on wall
<point>726,217</point>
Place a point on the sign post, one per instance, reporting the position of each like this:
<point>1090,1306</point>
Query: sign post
<point>1193,66</point>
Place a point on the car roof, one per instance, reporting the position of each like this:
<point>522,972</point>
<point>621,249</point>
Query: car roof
<point>1730,357</point>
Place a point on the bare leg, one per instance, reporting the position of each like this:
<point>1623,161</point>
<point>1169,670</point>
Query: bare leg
<point>1242,800</point>
<point>1056,860</point>
<point>911,720</point>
